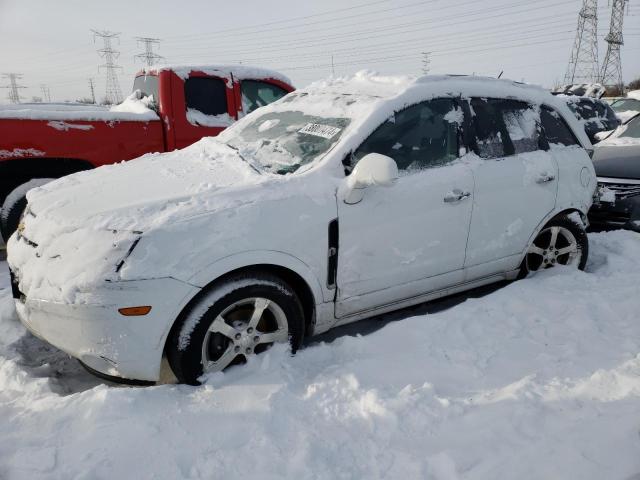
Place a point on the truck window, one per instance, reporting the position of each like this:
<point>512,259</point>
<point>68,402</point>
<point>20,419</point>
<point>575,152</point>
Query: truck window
<point>206,94</point>
<point>148,85</point>
<point>257,94</point>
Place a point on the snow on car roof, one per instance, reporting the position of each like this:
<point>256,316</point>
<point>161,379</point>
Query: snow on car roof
<point>239,71</point>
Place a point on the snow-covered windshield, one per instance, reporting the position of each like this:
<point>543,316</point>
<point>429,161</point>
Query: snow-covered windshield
<point>283,141</point>
<point>625,104</point>
<point>631,129</point>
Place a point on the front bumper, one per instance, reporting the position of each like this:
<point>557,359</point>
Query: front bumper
<point>623,213</point>
<point>103,339</point>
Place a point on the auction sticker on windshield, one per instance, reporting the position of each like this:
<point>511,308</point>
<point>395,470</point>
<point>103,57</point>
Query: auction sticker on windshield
<point>319,130</point>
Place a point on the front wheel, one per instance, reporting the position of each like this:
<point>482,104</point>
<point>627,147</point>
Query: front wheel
<point>15,204</point>
<point>241,317</point>
<point>563,241</point>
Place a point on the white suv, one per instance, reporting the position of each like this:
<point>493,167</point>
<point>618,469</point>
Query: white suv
<point>343,200</point>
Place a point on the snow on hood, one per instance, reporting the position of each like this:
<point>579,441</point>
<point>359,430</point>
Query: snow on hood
<point>143,193</point>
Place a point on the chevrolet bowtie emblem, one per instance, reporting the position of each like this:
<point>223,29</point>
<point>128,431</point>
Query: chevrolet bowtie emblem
<point>21,228</point>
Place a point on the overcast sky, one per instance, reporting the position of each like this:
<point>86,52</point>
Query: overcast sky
<point>50,42</point>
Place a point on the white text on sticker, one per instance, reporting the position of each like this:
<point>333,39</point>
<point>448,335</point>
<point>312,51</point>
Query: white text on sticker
<point>318,130</point>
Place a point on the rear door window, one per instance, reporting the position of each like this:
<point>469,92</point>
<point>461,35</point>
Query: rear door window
<point>206,94</point>
<point>504,127</point>
<point>256,94</point>
<point>556,130</point>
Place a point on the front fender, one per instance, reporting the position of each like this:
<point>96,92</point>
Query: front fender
<point>220,267</point>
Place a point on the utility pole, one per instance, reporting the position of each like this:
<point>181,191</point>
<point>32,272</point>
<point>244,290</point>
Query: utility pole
<point>149,57</point>
<point>93,91</point>
<point>14,88</point>
<point>46,93</point>
<point>426,62</point>
<point>583,63</point>
<point>612,66</point>
<point>333,68</point>
<point>113,94</point>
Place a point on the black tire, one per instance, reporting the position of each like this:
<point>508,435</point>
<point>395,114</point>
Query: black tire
<point>14,206</point>
<point>187,338</point>
<point>576,227</point>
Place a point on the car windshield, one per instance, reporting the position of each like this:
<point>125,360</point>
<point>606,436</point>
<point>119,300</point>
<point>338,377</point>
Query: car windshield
<point>625,104</point>
<point>631,129</point>
<point>282,142</point>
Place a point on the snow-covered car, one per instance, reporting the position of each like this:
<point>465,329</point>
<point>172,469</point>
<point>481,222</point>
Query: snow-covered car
<point>617,164</point>
<point>596,116</point>
<point>346,199</point>
<point>628,107</point>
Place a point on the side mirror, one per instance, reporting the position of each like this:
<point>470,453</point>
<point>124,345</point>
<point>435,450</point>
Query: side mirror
<point>373,169</point>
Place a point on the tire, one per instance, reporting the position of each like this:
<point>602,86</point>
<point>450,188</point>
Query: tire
<point>570,243</point>
<point>14,205</point>
<point>222,329</point>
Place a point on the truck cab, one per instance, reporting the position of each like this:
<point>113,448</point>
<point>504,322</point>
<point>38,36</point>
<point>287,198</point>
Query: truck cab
<point>171,107</point>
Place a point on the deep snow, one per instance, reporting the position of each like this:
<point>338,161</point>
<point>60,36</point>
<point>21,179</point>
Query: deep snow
<point>536,380</point>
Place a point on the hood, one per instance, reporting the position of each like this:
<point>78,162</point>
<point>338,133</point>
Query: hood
<point>151,190</point>
<point>617,161</point>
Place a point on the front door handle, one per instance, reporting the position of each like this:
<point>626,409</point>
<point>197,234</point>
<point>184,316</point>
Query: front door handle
<point>456,195</point>
<point>545,177</point>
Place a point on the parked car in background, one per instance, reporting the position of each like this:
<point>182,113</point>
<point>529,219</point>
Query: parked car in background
<point>344,200</point>
<point>626,108</point>
<point>171,107</point>
<point>596,116</point>
<point>617,164</point>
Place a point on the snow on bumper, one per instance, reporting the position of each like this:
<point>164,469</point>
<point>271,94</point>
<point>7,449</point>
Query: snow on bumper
<point>98,335</point>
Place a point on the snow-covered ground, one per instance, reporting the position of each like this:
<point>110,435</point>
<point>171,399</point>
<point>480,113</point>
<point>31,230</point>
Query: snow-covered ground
<point>536,380</point>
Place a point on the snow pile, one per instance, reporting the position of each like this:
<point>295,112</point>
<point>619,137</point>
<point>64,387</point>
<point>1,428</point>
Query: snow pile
<point>540,379</point>
<point>137,104</point>
<point>197,118</point>
<point>635,94</point>
<point>132,109</point>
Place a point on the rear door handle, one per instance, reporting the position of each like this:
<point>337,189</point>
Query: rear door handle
<point>456,195</point>
<point>545,177</point>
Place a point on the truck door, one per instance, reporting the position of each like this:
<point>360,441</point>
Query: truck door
<point>203,106</point>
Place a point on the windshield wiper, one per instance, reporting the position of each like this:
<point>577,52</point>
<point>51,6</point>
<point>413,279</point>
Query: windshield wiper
<point>237,150</point>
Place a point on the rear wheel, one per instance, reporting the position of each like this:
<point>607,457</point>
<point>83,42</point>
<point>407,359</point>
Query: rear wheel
<point>239,318</point>
<point>563,241</point>
<point>15,204</point>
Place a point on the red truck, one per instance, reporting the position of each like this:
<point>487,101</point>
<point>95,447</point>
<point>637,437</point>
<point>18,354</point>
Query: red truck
<point>171,107</point>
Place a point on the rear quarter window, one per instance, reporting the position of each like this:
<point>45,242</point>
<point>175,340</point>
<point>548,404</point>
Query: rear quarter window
<point>556,130</point>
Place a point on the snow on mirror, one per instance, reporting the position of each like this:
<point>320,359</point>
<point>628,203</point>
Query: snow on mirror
<point>282,142</point>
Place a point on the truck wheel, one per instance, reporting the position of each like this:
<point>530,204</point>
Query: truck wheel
<point>237,319</point>
<point>14,205</point>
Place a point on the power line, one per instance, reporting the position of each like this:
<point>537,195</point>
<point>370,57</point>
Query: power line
<point>612,65</point>
<point>583,63</point>
<point>92,90</point>
<point>46,93</point>
<point>14,87</point>
<point>113,94</point>
<point>149,57</point>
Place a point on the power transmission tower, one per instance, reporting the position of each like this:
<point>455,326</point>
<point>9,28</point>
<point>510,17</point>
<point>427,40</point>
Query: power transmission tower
<point>149,57</point>
<point>93,91</point>
<point>14,88</point>
<point>612,65</point>
<point>426,61</point>
<point>46,93</point>
<point>114,94</point>
<point>583,63</point>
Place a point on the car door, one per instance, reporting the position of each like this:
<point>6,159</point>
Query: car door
<point>515,183</point>
<point>405,240</point>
